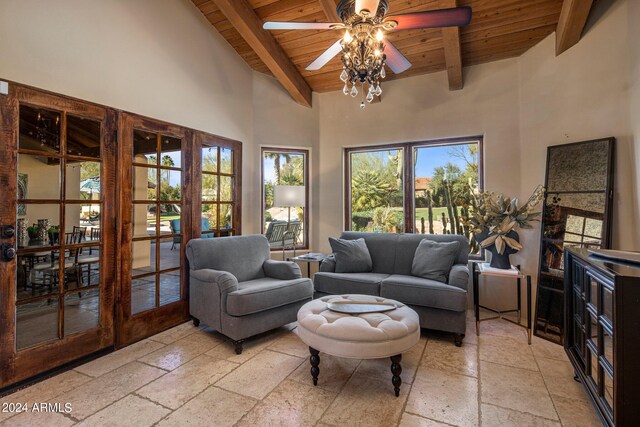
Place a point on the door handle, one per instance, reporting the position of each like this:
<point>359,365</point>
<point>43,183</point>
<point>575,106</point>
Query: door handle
<point>8,252</point>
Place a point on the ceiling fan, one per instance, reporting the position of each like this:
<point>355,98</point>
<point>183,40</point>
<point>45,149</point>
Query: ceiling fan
<point>364,50</point>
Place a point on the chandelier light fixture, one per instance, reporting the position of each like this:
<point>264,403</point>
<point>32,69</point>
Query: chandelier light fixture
<point>363,57</point>
<point>364,50</point>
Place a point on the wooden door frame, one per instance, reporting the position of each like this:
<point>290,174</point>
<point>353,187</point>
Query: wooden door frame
<point>16,365</point>
<point>134,327</point>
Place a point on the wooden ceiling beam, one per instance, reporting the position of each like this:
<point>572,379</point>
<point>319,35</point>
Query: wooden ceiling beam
<point>453,53</point>
<point>246,22</point>
<point>329,7</point>
<point>573,18</point>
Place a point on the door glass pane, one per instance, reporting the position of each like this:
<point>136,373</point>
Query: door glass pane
<point>143,294</point>
<point>594,331</point>
<point>145,183</point>
<point>593,293</point>
<point>226,189</point>
<point>145,147</point>
<point>170,185</point>
<point>209,187</point>
<point>226,160</point>
<point>89,266</point>
<point>607,303</point>
<point>209,159</point>
<point>83,137</point>
<point>41,223</point>
<point>81,311</point>
<point>39,129</point>
<point>170,252</point>
<point>171,152</point>
<point>38,177</point>
<point>377,191</point>
<point>169,287</point>
<point>593,373</point>
<point>36,323</point>
<point>144,220</point>
<point>209,216</point>
<point>608,346</point>
<point>143,257</point>
<point>85,216</point>
<point>226,215</point>
<point>608,390</point>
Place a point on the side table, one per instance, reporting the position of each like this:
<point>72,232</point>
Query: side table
<point>309,260</point>
<point>514,272</point>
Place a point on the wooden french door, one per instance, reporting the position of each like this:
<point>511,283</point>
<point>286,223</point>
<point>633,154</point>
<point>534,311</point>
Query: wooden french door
<point>155,173</point>
<point>57,231</point>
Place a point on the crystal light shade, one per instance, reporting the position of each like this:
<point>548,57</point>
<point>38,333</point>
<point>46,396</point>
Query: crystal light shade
<point>363,58</point>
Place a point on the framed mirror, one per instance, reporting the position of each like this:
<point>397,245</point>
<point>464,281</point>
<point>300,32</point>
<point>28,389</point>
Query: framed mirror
<point>576,213</point>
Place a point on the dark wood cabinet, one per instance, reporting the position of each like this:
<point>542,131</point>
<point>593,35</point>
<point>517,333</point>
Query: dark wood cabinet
<point>602,333</point>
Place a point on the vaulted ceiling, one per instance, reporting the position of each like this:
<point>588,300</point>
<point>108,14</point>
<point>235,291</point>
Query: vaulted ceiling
<point>499,29</point>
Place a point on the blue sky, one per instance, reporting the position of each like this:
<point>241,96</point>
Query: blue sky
<point>428,159</point>
<point>432,157</point>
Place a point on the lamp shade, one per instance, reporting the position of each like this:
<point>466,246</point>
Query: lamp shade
<point>285,196</point>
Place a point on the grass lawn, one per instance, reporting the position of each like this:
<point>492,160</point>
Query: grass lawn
<point>424,212</point>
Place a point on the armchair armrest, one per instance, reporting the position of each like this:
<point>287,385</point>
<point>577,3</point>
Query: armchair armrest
<point>224,281</point>
<point>459,276</point>
<point>328,264</point>
<point>282,270</point>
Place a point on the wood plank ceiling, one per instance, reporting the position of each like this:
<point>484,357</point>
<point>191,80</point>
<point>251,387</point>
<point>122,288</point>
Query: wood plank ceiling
<point>499,29</point>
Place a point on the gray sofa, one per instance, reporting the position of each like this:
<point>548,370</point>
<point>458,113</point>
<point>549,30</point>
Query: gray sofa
<point>236,289</point>
<point>441,306</point>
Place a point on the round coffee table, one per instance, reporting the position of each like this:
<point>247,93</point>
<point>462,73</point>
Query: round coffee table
<point>358,336</point>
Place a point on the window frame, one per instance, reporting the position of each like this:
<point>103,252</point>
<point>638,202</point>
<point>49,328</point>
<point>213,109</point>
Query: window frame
<point>306,152</point>
<point>408,173</point>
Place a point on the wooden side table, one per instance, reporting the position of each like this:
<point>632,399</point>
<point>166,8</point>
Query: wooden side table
<point>309,261</point>
<point>485,270</point>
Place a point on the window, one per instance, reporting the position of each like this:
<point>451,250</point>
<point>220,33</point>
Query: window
<point>421,187</point>
<point>285,197</point>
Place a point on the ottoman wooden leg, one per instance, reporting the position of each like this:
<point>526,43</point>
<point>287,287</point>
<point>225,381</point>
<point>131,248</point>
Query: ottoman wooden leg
<point>315,361</point>
<point>396,370</point>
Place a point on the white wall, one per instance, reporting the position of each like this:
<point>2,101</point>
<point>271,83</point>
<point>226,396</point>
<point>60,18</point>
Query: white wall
<point>161,59</point>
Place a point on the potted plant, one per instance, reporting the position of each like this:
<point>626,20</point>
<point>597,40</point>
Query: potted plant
<point>54,234</point>
<point>494,219</point>
<point>32,232</point>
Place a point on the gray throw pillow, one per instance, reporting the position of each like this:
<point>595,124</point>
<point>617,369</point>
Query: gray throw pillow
<point>352,256</point>
<point>433,260</point>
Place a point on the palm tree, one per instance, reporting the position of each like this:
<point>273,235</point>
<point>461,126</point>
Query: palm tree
<point>276,163</point>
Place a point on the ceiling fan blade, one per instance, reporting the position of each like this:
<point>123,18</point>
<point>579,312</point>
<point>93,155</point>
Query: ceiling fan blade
<point>326,56</point>
<point>455,17</point>
<point>370,5</point>
<point>300,25</point>
<point>395,59</point>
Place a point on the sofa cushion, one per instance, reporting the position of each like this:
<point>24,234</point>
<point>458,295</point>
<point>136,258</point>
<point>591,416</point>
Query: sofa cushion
<point>352,256</point>
<point>258,295</point>
<point>423,292</point>
<point>382,248</point>
<point>348,283</point>
<point>433,260</point>
<point>408,243</point>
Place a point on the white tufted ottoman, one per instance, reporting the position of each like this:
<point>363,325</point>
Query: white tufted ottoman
<point>359,336</point>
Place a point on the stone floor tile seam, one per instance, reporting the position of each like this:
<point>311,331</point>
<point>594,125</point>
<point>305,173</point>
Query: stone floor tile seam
<point>426,418</point>
<point>553,402</point>
<point>150,365</point>
<point>339,391</point>
<point>479,384</point>
<point>135,394</point>
<point>525,413</point>
<point>415,377</point>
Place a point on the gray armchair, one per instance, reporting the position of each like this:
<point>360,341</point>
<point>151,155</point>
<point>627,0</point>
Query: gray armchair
<point>236,289</point>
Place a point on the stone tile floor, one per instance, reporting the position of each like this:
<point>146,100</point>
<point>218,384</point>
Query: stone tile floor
<point>191,376</point>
